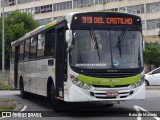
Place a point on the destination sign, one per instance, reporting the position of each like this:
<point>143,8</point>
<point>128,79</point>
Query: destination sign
<point>103,20</point>
<point>106,19</point>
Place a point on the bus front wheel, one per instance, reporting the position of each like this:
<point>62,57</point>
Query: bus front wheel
<point>56,104</point>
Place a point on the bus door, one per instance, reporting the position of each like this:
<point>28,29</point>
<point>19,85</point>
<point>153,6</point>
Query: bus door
<point>16,59</point>
<point>60,59</point>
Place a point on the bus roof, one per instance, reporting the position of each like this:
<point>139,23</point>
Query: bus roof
<point>38,30</point>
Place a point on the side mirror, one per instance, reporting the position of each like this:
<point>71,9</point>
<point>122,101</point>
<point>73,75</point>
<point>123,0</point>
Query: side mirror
<point>68,36</point>
<point>69,39</point>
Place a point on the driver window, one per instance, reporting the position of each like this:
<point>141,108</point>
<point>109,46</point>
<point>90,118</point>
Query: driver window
<point>156,71</point>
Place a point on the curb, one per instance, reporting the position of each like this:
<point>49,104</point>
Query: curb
<point>152,87</point>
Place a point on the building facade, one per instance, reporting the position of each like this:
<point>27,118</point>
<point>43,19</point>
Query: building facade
<point>44,11</point>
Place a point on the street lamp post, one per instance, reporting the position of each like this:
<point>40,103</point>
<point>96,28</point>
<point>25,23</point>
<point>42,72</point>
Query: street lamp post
<point>3,51</point>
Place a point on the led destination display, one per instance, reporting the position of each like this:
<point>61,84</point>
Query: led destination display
<point>105,19</point>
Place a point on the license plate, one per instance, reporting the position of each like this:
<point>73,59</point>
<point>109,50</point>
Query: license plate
<point>111,93</point>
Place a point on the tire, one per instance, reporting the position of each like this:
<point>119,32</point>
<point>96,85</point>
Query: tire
<point>23,93</point>
<point>56,104</point>
<point>146,83</point>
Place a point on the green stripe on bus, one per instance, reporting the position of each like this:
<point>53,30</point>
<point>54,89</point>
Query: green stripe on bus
<point>53,70</point>
<point>50,24</point>
<point>109,81</point>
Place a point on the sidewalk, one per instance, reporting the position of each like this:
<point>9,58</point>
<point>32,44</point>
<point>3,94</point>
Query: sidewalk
<point>7,105</point>
<point>10,105</point>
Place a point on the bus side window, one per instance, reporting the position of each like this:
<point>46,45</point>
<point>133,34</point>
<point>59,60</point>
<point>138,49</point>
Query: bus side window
<point>21,53</point>
<point>27,46</point>
<point>40,47</point>
<point>33,47</point>
<point>50,43</point>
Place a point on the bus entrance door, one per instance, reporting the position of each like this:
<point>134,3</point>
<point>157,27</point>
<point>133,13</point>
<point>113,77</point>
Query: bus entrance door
<point>16,66</point>
<point>60,59</point>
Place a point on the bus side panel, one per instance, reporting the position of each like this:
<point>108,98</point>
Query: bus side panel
<point>26,77</point>
<point>41,77</point>
<point>49,71</point>
<point>32,77</point>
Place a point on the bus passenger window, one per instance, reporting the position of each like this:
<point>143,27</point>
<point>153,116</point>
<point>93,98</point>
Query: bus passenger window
<point>27,45</point>
<point>50,42</point>
<point>40,48</point>
<point>33,47</point>
<point>21,54</point>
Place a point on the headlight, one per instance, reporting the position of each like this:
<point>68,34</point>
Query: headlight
<point>79,83</point>
<point>137,84</point>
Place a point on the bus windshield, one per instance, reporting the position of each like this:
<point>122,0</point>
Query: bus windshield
<point>107,49</point>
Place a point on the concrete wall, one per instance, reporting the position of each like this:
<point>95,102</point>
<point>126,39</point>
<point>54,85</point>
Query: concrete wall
<point>6,76</point>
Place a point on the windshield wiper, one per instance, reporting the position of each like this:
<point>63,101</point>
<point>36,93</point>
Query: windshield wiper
<point>121,38</point>
<point>93,37</point>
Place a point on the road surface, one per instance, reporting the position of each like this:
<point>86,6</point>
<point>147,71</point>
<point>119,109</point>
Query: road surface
<point>88,111</point>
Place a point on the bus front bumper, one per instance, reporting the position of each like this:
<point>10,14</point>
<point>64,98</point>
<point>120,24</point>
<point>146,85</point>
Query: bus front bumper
<point>77,94</point>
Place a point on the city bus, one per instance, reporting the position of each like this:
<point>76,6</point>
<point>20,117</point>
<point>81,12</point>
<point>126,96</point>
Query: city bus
<point>81,57</point>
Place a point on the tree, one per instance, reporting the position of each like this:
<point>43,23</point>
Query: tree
<point>17,24</point>
<point>152,54</point>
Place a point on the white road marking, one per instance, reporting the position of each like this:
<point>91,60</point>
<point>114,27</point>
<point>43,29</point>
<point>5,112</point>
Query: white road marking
<point>23,109</point>
<point>138,109</point>
<point>2,118</point>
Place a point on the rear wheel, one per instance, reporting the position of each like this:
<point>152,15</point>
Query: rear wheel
<point>23,93</point>
<point>146,83</point>
<point>56,104</point>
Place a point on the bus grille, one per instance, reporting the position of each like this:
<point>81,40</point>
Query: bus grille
<point>102,94</point>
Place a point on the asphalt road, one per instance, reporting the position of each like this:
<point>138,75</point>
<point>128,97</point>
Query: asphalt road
<point>88,111</point>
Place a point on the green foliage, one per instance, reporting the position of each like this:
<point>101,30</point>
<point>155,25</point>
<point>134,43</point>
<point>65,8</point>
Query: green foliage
<point>16,25</point>
<point>152,53</point>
